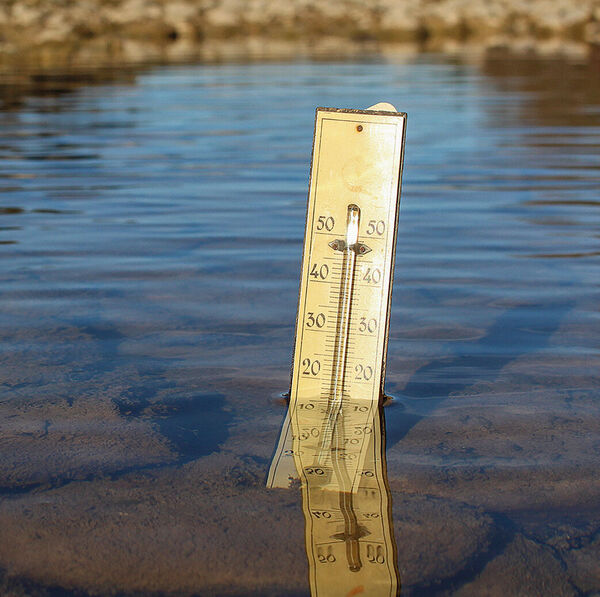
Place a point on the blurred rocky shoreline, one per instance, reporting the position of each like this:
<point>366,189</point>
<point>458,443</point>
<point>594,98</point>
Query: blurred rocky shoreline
<point>50,32</point>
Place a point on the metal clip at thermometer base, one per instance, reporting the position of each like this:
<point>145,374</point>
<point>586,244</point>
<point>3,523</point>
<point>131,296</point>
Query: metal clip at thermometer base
<point>332,438</point>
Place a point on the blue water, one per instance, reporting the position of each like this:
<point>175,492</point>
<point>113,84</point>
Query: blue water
<point>150,243</point>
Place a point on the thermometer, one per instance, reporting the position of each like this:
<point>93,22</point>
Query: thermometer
<point>331,438</point>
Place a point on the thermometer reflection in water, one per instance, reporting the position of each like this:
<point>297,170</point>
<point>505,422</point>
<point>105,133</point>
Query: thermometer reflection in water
<point>331,438</point>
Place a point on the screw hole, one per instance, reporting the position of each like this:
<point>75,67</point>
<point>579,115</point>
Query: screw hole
<point>359,128</point>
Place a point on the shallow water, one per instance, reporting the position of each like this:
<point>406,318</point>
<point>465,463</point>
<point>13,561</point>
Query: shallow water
<point>150,235</point>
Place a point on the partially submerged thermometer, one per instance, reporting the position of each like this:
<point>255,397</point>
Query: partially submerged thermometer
<point>348,259</point>
<point>329,438</point>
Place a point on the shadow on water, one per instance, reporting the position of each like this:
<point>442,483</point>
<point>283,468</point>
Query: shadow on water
<point>519,331</point>
<point>195,427</point>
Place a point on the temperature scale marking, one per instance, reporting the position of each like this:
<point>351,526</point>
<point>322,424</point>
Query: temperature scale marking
<point>332,438</point>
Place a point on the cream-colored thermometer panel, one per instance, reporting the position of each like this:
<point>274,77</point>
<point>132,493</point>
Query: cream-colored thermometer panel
<point>348,262</point>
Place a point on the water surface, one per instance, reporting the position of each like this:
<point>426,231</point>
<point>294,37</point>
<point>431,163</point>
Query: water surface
<point>150,239</point>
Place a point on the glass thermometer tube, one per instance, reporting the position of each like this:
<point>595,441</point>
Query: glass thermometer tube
<point>350,249</point>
